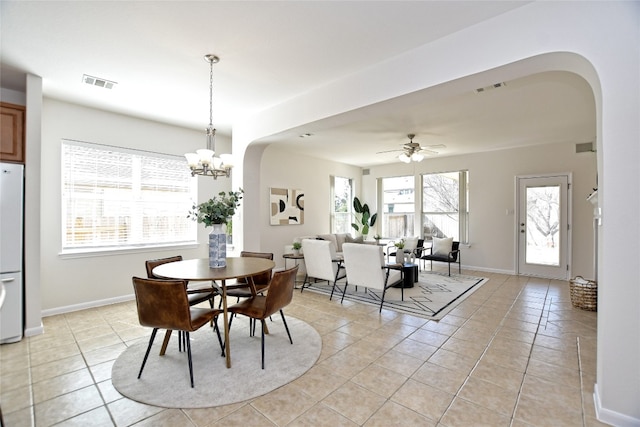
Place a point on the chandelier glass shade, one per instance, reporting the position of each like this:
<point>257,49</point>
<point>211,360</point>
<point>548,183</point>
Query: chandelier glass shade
<point>204,161</point>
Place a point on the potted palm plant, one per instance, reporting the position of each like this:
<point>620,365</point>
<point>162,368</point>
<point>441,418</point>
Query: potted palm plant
<point>214,213</point>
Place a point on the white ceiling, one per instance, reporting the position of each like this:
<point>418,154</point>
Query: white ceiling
<point>271,52</point>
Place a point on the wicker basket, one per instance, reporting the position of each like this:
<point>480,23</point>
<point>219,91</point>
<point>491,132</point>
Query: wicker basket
<point>584,293</point>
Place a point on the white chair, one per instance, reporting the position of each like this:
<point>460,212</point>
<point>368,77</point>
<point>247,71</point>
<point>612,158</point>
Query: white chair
<point>321,262</point>
<point>410,246</point>
<point>365,267</point>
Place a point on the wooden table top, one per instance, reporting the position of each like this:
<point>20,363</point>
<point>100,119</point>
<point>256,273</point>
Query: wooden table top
<point>198,269</point>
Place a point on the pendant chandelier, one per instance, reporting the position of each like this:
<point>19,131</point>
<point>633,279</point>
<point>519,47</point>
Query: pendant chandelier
<point>204,161</point>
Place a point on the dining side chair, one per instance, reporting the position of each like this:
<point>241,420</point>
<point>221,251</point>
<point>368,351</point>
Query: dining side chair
<point>195,295</point>
<point>260,307</point>
<point>366,267</point>
<point>321,262</point>
<point>241,288</point>
<point>163,304</point>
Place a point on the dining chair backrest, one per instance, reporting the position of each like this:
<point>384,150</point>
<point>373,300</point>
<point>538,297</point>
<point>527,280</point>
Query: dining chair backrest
<point>153,263</point>
<point>280,290</point>
<point>364,265</point>
<point>319,256</point>
<point>162,303</point>
<point>262,278</point>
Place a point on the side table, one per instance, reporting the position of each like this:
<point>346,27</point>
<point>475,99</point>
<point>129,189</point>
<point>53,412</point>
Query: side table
<point>410,274</point>
<point>408,278</point>
<point>295,259</point>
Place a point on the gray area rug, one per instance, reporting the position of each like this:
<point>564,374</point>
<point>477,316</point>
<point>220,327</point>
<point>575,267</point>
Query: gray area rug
<point>165,379</point>
<point>432,297</point>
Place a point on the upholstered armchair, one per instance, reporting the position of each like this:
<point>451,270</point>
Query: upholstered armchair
<point>365,267</point>
<point>321,262</point>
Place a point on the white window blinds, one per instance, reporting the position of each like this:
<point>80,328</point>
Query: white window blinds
<point>115,197</point>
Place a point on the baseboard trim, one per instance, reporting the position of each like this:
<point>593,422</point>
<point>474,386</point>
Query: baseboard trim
<point>486,270</point>
<point>86,305</point>
<point>31,332</point>
<point>612,417</point>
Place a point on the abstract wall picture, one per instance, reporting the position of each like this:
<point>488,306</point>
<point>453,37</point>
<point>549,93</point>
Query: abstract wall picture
<point>286,206</point>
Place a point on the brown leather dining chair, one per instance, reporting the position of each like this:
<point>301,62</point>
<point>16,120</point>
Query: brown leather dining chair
<point>241,288</point>
<point>163,304</point>
<point>196,296</point>
<point>260,307</point>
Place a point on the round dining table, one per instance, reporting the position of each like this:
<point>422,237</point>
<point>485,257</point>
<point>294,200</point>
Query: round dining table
<point>199,270</point>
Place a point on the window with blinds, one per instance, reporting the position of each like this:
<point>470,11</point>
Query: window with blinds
<point>119,198</point>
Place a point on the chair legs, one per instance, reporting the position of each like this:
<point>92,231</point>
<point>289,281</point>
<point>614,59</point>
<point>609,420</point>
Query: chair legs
<point>186,334</point>
<point>263,327</point>
<point>146,355</point>
<point>183,343</point>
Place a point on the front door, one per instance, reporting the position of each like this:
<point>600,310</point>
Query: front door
<point>543,227</point>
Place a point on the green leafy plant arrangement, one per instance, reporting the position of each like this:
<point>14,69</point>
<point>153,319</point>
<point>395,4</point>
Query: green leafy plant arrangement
<point>363,217</point>
<point>296,245</point>
<point>217,210</point>
<point>399,244</point>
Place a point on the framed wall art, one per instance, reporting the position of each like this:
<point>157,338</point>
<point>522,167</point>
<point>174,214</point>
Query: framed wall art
<point>286,206</point>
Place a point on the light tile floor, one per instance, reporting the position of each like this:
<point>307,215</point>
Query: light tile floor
<point>515,353</point>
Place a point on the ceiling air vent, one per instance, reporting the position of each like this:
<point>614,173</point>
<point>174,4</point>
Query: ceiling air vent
<point>97,81</point>
<point>491,87</point>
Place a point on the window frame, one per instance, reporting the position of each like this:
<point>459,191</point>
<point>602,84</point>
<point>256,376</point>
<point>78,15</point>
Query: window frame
<point>410,221</point>
<point>136,202</point>
<point>349,205</point>
<point>463,204</point>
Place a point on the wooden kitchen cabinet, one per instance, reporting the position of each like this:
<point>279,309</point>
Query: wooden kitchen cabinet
<point>12,132</point>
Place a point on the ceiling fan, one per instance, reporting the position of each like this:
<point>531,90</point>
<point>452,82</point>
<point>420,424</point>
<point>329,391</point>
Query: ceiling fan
<point>412,151</point>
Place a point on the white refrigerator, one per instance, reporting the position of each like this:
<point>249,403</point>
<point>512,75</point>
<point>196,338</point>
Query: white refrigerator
<point>11,243</point>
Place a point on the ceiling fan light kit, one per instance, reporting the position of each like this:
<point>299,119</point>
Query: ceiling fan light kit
<point>411,151</point>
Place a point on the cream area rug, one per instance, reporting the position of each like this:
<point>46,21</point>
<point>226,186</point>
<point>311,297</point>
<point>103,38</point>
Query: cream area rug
<point>432,297</point>
<point>165,379</point>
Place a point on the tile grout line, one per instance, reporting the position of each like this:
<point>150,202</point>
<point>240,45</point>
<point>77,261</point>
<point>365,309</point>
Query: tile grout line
<point>483,352</point>
<point>515,407</point>
<point>584,421</point>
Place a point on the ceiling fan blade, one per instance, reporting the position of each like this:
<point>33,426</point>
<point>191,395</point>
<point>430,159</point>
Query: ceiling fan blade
<point>388,151</point>
<point>425,151</point>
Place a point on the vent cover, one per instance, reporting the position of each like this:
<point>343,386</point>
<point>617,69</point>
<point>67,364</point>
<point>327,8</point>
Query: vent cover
<point>97,81</point>
<point>491,87</point>
<point>585,147</point>
<point>366,171</point>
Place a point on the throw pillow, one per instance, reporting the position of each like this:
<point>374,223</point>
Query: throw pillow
<point>442,247</point>
<point>350,239</point>
<point>331,238</point>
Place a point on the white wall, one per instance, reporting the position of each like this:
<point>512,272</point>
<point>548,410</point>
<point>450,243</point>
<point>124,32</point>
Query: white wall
<point>597,40</point>
<point>492,192</point>
<point>283,169</point>
<point>73,283</point>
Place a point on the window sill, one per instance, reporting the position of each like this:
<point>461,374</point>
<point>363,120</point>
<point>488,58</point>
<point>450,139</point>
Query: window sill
<point>100,252</point>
